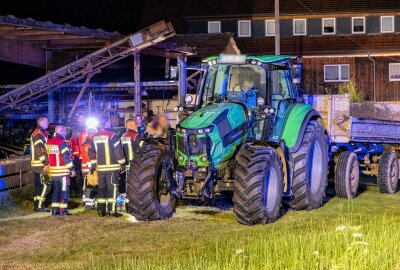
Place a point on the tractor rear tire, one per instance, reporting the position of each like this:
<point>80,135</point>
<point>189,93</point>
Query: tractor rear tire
<point>258,185</point>
<point>388,173</point>
<point>146,185</point>
<point>347,175</point>
<point>309,168</point>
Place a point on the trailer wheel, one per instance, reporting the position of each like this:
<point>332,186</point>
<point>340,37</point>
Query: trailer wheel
<point>147,186</point>
<point>309,168</point>
<point>388,173</point>
<point>347,175</point>
<point>258,185</point>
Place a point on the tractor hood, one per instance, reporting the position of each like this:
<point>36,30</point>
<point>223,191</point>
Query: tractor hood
<point>206,116</point>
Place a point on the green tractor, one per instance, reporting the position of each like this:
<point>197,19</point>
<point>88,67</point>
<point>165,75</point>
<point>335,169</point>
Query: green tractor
<point>250,133</point>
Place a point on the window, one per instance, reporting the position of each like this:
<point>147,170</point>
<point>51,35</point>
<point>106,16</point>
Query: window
<point>394,72</point>
<point>270,27</point>
<point>358,25</point>
<point>336,73</point>
<point>329,26</point>
<point>244,28</point>
<point>214,27</point>
<point>299,27</point>
<point>387,24</point>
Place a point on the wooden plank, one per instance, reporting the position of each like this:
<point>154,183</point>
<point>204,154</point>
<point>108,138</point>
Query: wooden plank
<point>376,110</point>
<point>21,53</point>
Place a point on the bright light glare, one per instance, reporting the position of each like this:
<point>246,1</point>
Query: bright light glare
<point>92,122</point>
<point>232,59</point>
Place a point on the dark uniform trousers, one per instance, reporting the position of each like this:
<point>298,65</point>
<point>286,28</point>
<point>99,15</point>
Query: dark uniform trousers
<point>60,195</point>
<point>40,192</point>
<point>107,191</point>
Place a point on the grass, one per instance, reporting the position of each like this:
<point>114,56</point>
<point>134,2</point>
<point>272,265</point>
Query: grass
<point>363,233</point>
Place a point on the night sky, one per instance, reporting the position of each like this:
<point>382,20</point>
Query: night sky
<point>111,15</point>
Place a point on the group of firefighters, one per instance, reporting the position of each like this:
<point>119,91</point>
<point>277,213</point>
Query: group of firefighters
<point>97,155</point>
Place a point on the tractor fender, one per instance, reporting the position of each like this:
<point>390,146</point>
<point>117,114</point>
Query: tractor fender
<point>296,124</point>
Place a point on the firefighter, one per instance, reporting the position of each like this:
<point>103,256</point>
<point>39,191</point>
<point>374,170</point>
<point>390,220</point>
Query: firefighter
<point>108,158</point>
<point>40,162</point>
<point>89,188</point>
<point>127,140</point>
<point>61,167</point>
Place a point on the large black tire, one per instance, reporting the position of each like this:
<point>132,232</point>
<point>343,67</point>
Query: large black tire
<point>309,168</point>
<point>258,185</point>
<point>388,173</point>
<point>347,175</point>
<point>146,185</point>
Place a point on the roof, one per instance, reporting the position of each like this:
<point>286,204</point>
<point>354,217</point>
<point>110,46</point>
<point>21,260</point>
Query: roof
<point>232,8</point>
<point>307,45</point>
<point>208,44</point>
<point>53,36</point>
<point>262,58</point>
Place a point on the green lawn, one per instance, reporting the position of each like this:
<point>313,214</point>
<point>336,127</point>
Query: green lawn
<point>363,233</point>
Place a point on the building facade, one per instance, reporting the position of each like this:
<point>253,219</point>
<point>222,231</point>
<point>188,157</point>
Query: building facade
<point>340,41</point>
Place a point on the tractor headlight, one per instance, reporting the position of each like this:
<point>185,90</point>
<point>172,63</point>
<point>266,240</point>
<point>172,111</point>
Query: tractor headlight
<point>176,109</point>
<point>200,131</point>
<point>180,158</point>
<point>180,108</point>
<point>188,99</point>
<point>260,101</point>
<point>204,159</point>
<point>269,110</point>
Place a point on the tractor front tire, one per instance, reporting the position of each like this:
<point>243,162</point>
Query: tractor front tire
<point>347,175</point>
<point>309,168</point>
<point>388,173</point>
<point>146,185</point>
<point>258,185</point>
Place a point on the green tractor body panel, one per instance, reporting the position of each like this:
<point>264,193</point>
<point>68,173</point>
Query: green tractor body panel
<point>225,126</point>
<point>294,122</point>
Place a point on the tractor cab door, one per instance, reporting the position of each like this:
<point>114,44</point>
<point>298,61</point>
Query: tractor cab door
<point>283,94</point>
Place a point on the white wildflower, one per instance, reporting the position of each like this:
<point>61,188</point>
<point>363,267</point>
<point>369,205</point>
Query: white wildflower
<point>357,235</point>
<point>316,253</point>
<point>362,243</point>
<point>341,228</point>
<point>239,251</point>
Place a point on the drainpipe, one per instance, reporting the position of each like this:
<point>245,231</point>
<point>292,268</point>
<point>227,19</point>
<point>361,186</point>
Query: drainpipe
<point>374,61</point>
<point>182,80</point>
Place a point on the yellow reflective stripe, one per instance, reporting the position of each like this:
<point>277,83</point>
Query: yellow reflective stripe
<point>69,165</point>
<point>100,200</point>
<point>128,167</point>
<point>141,143</point>
<point>108,169</point>
<point>93,161</point>
<point>126,200</point>
<point>109,166</point>
<point>121,161</point>
<point>117,143</point>
<point>38,141</point>
<point>130,152</point>
<point>107,152</point>
<point>55,205</point>
<point>63,205</point>
<point>42,197</point>
<point>64,150</point>
<point>42,158</point>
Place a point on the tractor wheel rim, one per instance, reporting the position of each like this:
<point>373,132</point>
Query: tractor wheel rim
<point>315,160</point>
<point>393,173</point>
<point>163,197</point>
<point>270,189</point>
<point>354,177</point>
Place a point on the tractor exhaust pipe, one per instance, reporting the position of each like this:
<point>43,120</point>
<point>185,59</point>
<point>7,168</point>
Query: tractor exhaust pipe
<point>182,80</point>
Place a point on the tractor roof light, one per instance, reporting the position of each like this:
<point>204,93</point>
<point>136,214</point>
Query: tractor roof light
<point>260,101</point>
<point>204,159</point>
<point>180,108</point>
<point>176,109</point>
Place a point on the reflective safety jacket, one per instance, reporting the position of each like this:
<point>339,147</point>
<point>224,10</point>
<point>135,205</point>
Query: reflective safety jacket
<point>59,156</point>
<point>106,150</point>
<point>127,140</point>
<point>84,145</point>
<point>74,146</point>
<point>39,156</point>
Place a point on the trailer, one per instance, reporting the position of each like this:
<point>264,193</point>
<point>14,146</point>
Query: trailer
<point>364,139</point>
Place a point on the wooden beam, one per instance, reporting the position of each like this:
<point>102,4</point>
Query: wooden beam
<point>20,53</point>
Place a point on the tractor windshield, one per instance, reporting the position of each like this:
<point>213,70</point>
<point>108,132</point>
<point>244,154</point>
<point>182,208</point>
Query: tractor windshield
<point>236,83</point>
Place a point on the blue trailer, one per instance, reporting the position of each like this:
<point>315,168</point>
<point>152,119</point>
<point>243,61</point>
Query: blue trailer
<point>364,138</point>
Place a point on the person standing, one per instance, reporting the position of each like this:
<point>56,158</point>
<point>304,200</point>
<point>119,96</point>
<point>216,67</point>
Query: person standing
<point>127,140</point>
<point>40,162</point>
<point>109,159</point>
<point>60,169</point>
<point>89,189</point>
<point>76,181</point>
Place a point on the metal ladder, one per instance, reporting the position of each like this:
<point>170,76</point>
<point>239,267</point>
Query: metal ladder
<point>88,65</point>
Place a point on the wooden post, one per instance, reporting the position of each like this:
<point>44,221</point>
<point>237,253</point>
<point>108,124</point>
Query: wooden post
<point>138,105</point>
<point>277,30</point>
<point>89,76</point>
<point>167,67</point>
